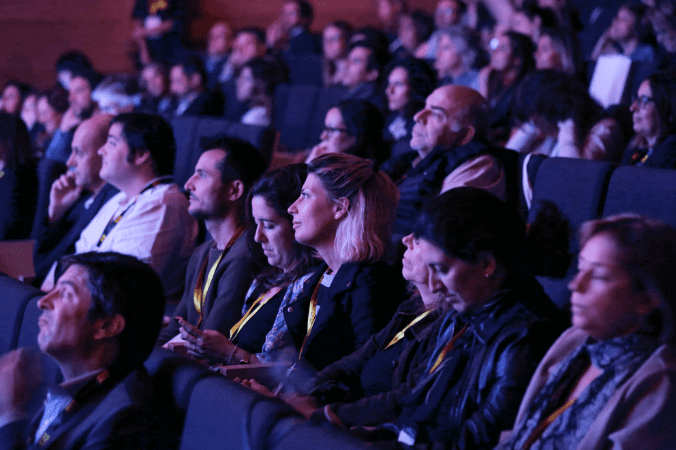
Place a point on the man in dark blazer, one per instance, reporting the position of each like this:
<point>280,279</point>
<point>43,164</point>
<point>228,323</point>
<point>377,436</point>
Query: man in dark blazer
<point>99,323</point>
<point>187,83</point>
<point>75,197</point>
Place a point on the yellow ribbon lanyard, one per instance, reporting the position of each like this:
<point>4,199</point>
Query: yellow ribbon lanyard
<point>255,307</point>
<point>200,294</point>
<point>537,432</point>
<point>399,336</point>
<point>312,314</point>
<point>448,348</point>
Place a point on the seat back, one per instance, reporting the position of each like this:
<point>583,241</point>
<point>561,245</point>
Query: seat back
<point>295,115</point>
<point>15,297</point>
<point>223,414</point>
<point>578,187</point>
<point>291,435</point>
<point>642,190</point>
<point>327,98</point>
<point>305,69</point>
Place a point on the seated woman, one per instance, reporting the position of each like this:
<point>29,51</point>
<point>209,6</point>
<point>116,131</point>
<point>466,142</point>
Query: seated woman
<point>554,51</point>
<point>345,212</point>
<point>654,114</point>
<point>51,107</point>
<point>335,39</point>
<point>354,127</point>
<point>255,86</point>
<point>409,82</point>
<point>289,261</point>
<point>18,182</point>
<point>13,96</point>
<point>455,59</point>
<point>608,382</point>
<point>461,383</point>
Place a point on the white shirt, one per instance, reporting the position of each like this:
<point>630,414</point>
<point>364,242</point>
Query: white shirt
<point>156,228</point>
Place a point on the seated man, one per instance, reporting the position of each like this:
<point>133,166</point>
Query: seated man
<point>75,197</point>
<point>218,190</point>
<point>187,82</point>
<point>219,45</point>
<point>364,63</point>
<point>99,323</point>
<point>153,81</point>
<point>149,217</point>
<point>448,135</point>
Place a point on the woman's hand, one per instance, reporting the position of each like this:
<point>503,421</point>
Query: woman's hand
<point>207,344</point>
<point>303,404</point>
<point>256,387</point>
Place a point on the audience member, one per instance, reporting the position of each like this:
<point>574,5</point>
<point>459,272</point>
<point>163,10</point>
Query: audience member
<point>219,45</point>
<point>157,30</point>
<point>530,19</point>
<point>456,57</point>
<point>50,107</point>
<point>335,39</point>
<point>187,83</point>
<point>69,63</point>
<point>554,52</point>
<point>364,63</point>
<point>154,87</point>
<point>249,44</point>
<point>17,178</point>
<point>388,14</point>
<point>627,36</point>
<point>13,96</point>
<point>294,22</point>
<point>273,289</point>
<point>448,13</point>
<point>608,380</point>
<point>354,127</point>
<point>149,217</point>
<point>74,198</point>
<point>255,86</point>
<point>29,114</point>
<point>99,323</point>
<point>409,82</point>
<point>415,28</point>
<point>448,135</point>
<point>345,212</point>
<point>218,189</point>
<point>116,94</point>
<point>654,115</point>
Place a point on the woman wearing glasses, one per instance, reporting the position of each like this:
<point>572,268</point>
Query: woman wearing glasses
<point>354,127</point>
<point>654,114</point>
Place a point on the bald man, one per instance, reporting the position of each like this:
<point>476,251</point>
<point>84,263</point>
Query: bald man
<point>75,197</point>
<point>449,136</point>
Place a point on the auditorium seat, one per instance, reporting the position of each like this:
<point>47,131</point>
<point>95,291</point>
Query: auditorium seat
<point>16,295</point>
<point>305,69</point>
<point>578,187</point>
<point>643,190</point>
<point>294,114</point>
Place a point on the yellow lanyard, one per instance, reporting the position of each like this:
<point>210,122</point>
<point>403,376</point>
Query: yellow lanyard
<point>537,432</point>
<point>447,348</point>
<point>258,304</point>
<point>399,336</point>
<point>312,315</point>
<point>200,294</point>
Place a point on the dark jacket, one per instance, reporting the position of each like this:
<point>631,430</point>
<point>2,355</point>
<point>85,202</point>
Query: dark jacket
<point>18,195</point>
<point>117,416</point>
<point>663,155</point>
<point>476,391</point>
<point>425,180</point>
<point>58,240</point>
<point>356,387</point>
<point>360,301</point>
<point>205,104</point>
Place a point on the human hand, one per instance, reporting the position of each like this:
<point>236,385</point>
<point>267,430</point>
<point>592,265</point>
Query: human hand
<point>71,118</point>
<point>20,378</point>
<point>305,405</point>
<point>63,194</point>
<point>207,344</point>
<point>257,387</point>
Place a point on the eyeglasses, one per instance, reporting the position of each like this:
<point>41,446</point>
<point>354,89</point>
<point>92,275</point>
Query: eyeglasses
<point>329,130</point>
<point>641,100</point>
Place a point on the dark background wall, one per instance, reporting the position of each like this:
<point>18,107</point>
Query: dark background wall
<point>33,33</point>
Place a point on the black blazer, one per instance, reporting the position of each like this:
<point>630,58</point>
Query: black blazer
<point>360,301</point>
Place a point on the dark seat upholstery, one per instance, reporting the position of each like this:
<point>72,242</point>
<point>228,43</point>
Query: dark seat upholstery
<point>225,415</point>
<point>642,190</point>
<point>294,113</point>
<point>305,69</point>
<point>16,296</point>
<point>578,187</point>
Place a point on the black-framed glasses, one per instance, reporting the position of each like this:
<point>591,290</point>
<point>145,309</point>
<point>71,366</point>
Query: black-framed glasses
<point>641,100</point>
<point>335,130</point>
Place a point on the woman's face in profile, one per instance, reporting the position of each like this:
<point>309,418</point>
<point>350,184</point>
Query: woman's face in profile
<point>333,43</point>
<point>603,303</point>
<point>398,89</point>
<point>462,285</point>
<point>413,266</point>
<point>335,137</point>
<point>315,215</point>
<point>546,56</point>
<point>244,85</point>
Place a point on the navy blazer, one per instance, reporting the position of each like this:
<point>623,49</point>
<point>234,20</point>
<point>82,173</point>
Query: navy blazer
<point>361,300</point>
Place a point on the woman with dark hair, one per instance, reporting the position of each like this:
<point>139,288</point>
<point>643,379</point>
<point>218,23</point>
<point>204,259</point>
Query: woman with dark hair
<point>654,115</point>
<point>353,127</point>
<point>18,183</point>
<point>13,96</point>
<point>608,382</point>
<point>335,47</point>
<point>511,59</point>
<point>554,51</point>
<point>460,384</point>
<point>51,106</point>
<point>289,261</point>
<point>255,86</point>
<point>409,82</point>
